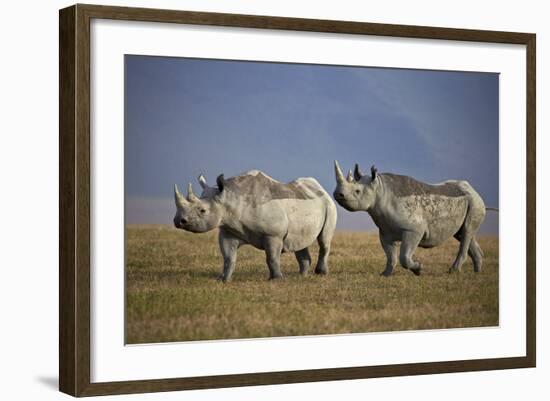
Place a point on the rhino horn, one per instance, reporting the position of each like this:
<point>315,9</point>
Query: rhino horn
<point>180,200</point>
<point>191,197</point>
<point>357,174</point>
<point>350,176</point>
<point>338,172</point>
<point>202,181</point>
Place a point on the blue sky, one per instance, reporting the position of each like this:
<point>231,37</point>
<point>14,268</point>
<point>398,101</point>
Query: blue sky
<point>189,116</point>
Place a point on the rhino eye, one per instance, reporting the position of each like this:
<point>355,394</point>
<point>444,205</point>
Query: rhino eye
<point>357,191</point>
<point>203,211</point>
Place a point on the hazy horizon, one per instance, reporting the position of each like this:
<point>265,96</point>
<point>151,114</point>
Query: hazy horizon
<point>185,117</point>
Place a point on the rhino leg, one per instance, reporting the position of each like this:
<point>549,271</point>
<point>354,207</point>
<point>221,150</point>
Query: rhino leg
<point>391,255</point>
<point>409,243</point>
<point>304,260</point>
<point>476,254</point>
<point>474,251</point>
<point>322,262</point>
<point>462,253</point>
<point>324,239</point>
<point>467,233</point>
<point>228,248</point>
<point>273,250</point>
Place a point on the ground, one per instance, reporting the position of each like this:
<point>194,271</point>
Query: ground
<point>172,293</point>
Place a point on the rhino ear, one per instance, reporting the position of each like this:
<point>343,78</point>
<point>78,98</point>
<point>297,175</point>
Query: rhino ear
<point>202,181</point>
<point>221,182</point>
<point>373,172</point>
<point>357,174</point>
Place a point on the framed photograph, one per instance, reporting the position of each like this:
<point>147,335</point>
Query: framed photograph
<point>249,200</point>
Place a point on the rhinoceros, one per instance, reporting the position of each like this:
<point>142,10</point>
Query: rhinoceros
<point>253,208</point>
<point>414,213</point>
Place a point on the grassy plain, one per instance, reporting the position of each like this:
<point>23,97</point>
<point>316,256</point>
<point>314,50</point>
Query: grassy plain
<point>172,293</point>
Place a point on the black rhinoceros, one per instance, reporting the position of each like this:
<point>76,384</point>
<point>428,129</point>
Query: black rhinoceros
<point>253,208</point>
<point>414,213</point>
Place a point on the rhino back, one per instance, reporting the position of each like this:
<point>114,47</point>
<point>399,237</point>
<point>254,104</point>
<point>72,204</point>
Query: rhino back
<point>257,188</point>
<point>402,186</point>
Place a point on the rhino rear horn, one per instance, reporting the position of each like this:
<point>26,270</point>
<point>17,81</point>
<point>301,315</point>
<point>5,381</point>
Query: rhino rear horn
<point>350,176</point>
<point>191,197</point>
<point>357,174</point>
<point>221,182</point>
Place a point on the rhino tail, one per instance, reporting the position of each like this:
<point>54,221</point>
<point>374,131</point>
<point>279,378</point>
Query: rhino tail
<point>494,209</point>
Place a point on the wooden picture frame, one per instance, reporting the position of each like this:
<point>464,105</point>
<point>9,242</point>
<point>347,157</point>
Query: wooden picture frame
<point>74,200</point>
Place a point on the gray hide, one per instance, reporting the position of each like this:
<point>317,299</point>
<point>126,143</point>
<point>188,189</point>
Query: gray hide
<point>414,213</point>
<point>254,209</point>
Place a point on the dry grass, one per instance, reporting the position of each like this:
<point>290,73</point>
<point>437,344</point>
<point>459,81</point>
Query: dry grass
<point>172,294</point>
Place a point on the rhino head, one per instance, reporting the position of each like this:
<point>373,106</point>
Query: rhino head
<point>199,215</point>
<point>357,191</point>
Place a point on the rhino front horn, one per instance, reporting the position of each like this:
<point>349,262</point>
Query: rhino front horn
<point>191,197</point>
<point>338,172</point>
<point>180,200</point>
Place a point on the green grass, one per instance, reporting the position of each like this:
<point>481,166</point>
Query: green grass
<point>172,293</point>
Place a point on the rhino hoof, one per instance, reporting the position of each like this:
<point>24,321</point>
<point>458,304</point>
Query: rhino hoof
<point>321,271</point>
<point>222,278</point>
<point>417,271</point>
<point>454,270</point>
<point>276,277</point>
<point>386,273</point>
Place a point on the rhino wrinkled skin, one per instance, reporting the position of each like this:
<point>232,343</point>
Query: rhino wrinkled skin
<point>255,209</point>
<point>414,213</point>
